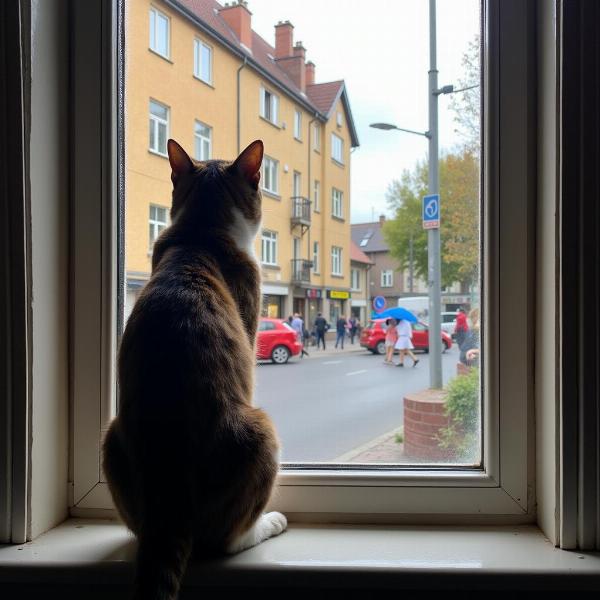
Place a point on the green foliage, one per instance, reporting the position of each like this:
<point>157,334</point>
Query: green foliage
<point>463,408</point>
<point>399,437</point>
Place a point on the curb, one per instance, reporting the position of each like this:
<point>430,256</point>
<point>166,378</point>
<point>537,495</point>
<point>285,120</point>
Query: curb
<point>380,442</point>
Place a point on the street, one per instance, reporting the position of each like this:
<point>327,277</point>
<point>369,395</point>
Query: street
<point>325,406</point>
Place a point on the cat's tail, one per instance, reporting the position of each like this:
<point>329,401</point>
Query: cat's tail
<point>161,562</point>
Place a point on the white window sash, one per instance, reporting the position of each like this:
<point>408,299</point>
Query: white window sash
<point>199,63</point>
<point>155,17</point>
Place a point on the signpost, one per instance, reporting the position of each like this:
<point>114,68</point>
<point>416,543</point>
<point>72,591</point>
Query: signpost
<point>431,211</point>
<point>379,304</point>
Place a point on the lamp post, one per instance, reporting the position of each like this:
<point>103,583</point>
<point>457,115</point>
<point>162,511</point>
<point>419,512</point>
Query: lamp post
<point>433,241</point>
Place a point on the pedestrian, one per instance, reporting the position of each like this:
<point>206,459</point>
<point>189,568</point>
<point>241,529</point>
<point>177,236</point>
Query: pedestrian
<point>321,327</point>
<point>353,322</point>
<point>340,328</point>
<point>404,342</point>
<point>469,351</point>
<point>461,328</point>
<point>391,337</point>
<point>298,327</point>
<point>290,319</point>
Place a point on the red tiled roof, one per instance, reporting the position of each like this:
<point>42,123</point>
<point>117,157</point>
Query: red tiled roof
<point>357,255</point>
<point>319,97</point>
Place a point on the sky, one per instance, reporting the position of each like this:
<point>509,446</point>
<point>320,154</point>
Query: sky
<point>382,53</point>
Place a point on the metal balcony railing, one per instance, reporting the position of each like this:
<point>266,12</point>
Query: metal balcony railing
<point>301,270</point>
<point>300,211</point>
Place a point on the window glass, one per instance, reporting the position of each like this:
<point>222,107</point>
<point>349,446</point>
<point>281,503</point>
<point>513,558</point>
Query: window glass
<point>202,141</point>
<point>337,148</point>
<point>159,32</point>
<point>159,126</point>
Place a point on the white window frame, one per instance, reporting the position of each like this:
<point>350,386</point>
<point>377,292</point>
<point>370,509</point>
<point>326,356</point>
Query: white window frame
<point>317,137</point>
<point>198,63</point>
<point>337,203</point>
<point>156,225</point>
<point>387,278</point>
<point>156,123</point>
<point>298,125</point>
<point>269,105</point>
<point>201,139</point>
<point>316,257</point>
<point>270,175</point>
<point>355,279</point>
<point>338,119</point>
<point>152,32</point>
<point>337,148</point>
<point>501,492</point>
<point>317,196</point>
<point>336,260</point>
<point>269,241</point>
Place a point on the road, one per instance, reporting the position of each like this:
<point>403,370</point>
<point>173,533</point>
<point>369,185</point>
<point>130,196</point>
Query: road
<point>325,406</point>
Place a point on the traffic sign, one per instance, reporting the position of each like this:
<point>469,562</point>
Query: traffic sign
<point>379,303</point>
<point>431,211</point>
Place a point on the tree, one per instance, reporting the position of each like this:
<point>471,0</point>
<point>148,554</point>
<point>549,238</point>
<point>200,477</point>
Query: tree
<point>459,233</point>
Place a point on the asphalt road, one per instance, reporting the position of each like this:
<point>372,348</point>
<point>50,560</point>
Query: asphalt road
<point>325,406</point>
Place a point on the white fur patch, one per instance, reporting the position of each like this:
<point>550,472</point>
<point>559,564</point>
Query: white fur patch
<point>243,232</point>
<point>267,525</point>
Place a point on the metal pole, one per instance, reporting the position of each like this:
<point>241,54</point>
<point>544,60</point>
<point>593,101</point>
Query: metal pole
<point>434,270</point>
<point>411,267</point>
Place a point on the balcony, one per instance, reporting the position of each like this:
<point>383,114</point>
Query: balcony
<point>301,270</point>
<point>300,212</point>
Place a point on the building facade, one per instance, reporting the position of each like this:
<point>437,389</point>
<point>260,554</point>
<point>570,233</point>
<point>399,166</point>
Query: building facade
<point>198,73</point>
<point>360,267</point>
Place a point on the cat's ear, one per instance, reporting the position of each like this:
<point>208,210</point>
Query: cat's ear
<point>181,164</point>
<point>249,161</point>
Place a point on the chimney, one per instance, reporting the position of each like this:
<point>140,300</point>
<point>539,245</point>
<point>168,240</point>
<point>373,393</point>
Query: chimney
<point>238,17</point>
<point>310,73</point>
<point>381,219</point>
<point>284,39</point>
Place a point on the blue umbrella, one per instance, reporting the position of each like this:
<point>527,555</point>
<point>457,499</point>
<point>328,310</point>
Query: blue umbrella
<point>398,313</point>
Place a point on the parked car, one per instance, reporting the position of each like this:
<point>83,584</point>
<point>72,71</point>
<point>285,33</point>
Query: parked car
<point>449,323</point>
<point>372,337</point>
<point>276,341</point>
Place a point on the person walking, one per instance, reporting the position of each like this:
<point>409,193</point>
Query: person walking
<point>298,327</point>
<point>461,328</point>
<point>340,328</point>
<point>469,351</point>
<point>391,337</point>
<point>321,327</point>
<point>353,326</point>
<point>404,342</point>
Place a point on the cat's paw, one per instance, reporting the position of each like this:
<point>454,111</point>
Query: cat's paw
<point>277,521</point>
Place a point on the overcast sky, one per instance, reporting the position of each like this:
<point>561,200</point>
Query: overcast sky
<point>381,50</point>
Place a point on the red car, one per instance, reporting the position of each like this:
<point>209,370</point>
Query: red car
<point>372,337</point>
<point>276,341</point>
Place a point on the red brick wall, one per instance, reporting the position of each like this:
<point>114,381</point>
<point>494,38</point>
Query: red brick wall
<point>424,416</point>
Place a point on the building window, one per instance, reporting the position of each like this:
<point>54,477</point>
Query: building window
<point>297,124</point>
<point>355,280</point>
<point>269,106</point>
<point>202,141</point>
<point>269,248</point>
<point>337,148</point>
<point>270,176</point>
<point>339,119</point>
<point>336,260</point>
<point>297,185</point>
<point>337,203</point>
<point>159,127</point>
<point>315,265</point>
<point>203,61</point>
<point>317,196</point>
<point>156,223</point>
<point>317,137</point>
<point>159,32</point>
<point>387,278</point>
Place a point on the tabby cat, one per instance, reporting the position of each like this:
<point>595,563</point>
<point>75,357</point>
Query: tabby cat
<point>190,462</point>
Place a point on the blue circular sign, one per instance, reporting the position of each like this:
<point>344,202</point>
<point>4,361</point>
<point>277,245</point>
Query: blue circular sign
<point>379,303</point>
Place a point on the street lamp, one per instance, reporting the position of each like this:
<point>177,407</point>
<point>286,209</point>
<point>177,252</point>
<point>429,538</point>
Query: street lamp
<point>433,241</point>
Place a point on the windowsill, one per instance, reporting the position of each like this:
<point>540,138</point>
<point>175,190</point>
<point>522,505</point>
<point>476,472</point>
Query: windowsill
<point>336,218</point>
<point>208,83</point>
<point>338,163</point>
<point>158,153</point>
<point>101,553</point>
<point>298,139</point>
<point>271,267</point>
<point>161,56</point>
<point>270,194</point>
<point>269,122</point>
<point>337,276</point>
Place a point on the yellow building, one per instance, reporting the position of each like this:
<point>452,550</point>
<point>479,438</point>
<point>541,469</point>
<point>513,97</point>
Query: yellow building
<point>198,73</point>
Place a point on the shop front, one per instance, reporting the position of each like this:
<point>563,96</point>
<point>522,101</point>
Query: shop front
<point>314,306</point>
<point>338,305</point>
<point>273,301</point>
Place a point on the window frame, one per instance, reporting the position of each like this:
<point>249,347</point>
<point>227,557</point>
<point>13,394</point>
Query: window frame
<point>317,136</point>
<point>272,106</point>
<point>270,241</point>
<point>387,274</point>
<point>316,196</point>
<point>337,202</point>
<point>355,288</point>
<point>316,251</point>
<point>156,224</point>
<point>158,12</point>
<point>504,491</point>
<point>337,142</point>
<point>156,122</point>
<point>199,136</point>
<point>297,125</point>
<point>337,259</point>
<point>198,45</point>
<point>271,164</point>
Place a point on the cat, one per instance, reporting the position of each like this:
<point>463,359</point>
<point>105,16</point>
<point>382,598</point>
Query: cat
<point>189,461</point>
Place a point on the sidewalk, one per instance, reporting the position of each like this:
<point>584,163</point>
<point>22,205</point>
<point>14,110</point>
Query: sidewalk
<point>331,350</point>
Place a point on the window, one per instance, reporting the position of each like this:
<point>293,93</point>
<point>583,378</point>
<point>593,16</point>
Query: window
<point>269,106</point>
<point>337,203</point>
<point>338,119</point>
<point>387,278</point>
<point>317,196</point>
<point>159,32</point>
<point>297,185</point>
<point>269,248</point>
<point>297,124</point>
<point>159,127</point>
<point>202,61</point>
<point>157,222</point>
<point>317,137</point>
<point>315,265</point>
<point>266,325</point>
<point>355,280</point>
<point>202,141</point>
<point>337,148</point>
<point>270,176</point>
<point>336,260</point>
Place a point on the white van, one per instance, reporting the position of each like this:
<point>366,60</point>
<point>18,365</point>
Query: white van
<point>418,305</point>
